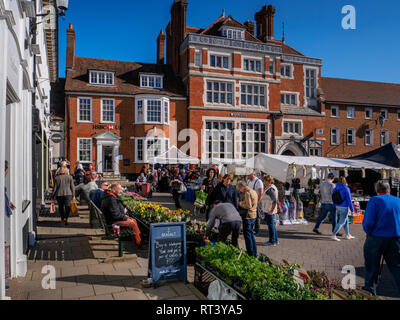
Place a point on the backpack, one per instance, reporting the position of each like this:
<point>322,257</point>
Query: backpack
<point>337,198</point>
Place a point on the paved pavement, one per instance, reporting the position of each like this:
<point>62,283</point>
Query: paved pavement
<point>86,267</point>
<point>300,245</point>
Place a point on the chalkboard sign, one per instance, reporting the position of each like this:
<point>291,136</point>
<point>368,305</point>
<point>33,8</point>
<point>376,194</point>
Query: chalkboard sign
<point>167,252</point>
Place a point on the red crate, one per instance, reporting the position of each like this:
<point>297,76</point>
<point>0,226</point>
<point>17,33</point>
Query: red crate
<point>358,219</point>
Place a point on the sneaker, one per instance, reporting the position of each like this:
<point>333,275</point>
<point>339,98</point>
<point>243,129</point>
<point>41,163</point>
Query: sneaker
<point>349,237</point>
<point>269,244</point>
<point>335,238</point>
<point>317,232</point>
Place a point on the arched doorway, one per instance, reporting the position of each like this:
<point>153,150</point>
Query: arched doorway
<point>293,149</point>
<point>288,153</point>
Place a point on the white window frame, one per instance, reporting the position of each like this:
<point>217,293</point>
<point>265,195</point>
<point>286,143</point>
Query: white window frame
<point>252,94</point>
<point>386,113</point>
<point>197,59</point>
<point>147,83</point>
<point>230,33</point>
<point>102,111</point>
<point>353,137</point>
<point>255,60</point>
<point>253,141</point>
<point>383,143</point>
<point>337,137</point>
<point>78,150</point>
<point>219,132</point>
<point>164,142</point>
<point>226,82</point>
<point>371,137</point>
<point>105,73</point>
<point>337,111</point>
<point>288,121</point>
<point>222,55</point>
<point>371,113</point>
<point>164,103</point>
<point>305,82</point>
<point>284,76</point>
<point>354,113</point>
<point>79,108</point>
<point>297,98</point>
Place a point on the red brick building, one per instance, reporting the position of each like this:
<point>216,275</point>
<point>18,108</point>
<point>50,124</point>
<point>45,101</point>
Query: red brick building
<point>360,116</point>
<point>248,92</point>
<point>120,114</point>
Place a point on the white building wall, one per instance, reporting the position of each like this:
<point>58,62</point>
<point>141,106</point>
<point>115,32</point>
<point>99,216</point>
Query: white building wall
<point>16,78</point>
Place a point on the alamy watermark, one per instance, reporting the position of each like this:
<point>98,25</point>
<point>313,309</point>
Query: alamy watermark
<point>349,21</point>
<point>349,280</point>
<point>49,280</point>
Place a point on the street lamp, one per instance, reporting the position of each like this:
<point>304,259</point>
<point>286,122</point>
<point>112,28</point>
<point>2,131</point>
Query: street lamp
<point>62,5</point>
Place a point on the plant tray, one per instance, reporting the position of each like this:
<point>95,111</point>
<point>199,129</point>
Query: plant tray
<point>203,276</point>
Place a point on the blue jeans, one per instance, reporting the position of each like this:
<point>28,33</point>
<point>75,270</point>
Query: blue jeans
<point>326,210</point>
<point>374,249</point>
<point>344,220</point>
<point>273,236</point>
<point>248,234</point>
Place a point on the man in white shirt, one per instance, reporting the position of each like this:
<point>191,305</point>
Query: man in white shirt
<point>256,184</point>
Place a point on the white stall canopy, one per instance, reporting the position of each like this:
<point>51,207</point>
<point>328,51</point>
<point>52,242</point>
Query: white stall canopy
<point>174,156</point>
<point>286,168</point>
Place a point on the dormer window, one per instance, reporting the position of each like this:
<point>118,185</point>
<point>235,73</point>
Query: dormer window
<point>102,78</point>
<point>232,33</point>
<point>151,81</point>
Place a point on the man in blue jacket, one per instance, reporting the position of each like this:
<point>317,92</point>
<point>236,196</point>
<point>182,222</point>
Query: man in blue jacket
<point>382,226</point>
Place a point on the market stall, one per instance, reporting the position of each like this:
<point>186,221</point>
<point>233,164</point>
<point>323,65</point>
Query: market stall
<point>174,156</point>
<point>303,174</point>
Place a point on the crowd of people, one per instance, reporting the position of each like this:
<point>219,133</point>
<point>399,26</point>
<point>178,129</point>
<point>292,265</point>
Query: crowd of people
<point>230,209</point>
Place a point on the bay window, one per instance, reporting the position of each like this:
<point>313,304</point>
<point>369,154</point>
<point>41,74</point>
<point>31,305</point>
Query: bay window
<point>152,110</point>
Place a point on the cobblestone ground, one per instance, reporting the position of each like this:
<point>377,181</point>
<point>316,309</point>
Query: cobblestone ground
<point>299,244</point>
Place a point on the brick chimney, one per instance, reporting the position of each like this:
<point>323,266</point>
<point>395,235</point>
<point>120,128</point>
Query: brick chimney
<point>70,63</point>
<point>265,23</point>
<point>250,26</point>
<point>161,48</point>
<point>176,32</point>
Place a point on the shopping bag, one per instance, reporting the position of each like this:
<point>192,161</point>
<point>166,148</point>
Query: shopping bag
<point>74,207</point>
<point>201,198</point>
<point>52,208</point>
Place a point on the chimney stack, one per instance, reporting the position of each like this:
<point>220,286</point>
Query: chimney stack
<point>176,32</point>
<point>70,61</point>
<point>161,48</point>
<point>250,26</point>
<point>265,23</point>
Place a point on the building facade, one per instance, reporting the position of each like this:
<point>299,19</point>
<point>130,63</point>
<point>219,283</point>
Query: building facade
<point>361,116</point>
<point>28,64</point>
<point>120,114</point>
<point>248,93</point>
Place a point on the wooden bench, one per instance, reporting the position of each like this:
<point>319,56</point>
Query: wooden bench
<point>125,232</point>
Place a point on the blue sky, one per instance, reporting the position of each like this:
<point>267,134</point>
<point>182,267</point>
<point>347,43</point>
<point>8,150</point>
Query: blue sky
<point>127,30</point>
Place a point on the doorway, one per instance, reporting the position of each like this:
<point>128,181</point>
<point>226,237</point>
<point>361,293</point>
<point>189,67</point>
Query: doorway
<point>108,159</point>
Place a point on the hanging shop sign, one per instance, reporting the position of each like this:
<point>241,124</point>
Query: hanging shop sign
<point>57,138</point>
